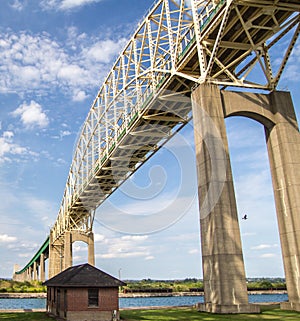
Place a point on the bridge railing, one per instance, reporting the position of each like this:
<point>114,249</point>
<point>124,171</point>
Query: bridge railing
<point>116,124</point>
<point>205,15</point>
<point>131,82</point>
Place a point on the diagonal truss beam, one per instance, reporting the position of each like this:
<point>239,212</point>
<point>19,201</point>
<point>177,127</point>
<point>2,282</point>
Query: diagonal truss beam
<point>136,110</point>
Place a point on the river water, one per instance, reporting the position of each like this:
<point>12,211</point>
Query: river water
<point>10,304</point>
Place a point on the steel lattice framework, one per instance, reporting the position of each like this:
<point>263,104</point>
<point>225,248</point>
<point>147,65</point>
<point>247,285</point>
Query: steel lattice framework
<point>179,43</point>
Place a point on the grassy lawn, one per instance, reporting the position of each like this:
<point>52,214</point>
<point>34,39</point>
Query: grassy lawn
<point>187,314</point>
<point>270,313</point>
<point>25,316</point>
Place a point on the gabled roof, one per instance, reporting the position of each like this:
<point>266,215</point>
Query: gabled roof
<point>84,275</point>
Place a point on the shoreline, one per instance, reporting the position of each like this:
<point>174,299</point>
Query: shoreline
<point>41,295</point>
<point>153,294</point>
<point>132,295</point>
<point>275,304</point>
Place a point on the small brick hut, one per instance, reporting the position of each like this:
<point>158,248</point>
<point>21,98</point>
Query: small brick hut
<point>83,292</point>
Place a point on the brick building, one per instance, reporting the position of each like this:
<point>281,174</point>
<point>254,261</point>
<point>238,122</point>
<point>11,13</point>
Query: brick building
<point>83,292</point>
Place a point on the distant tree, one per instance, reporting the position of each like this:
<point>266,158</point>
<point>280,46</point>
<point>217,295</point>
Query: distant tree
<point>265,284</point>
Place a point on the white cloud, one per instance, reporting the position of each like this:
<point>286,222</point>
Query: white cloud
<point>4,238</point>
<point>70,72</point>
<point>103,50</point>
<point>8,134</point>
<point>18,5</point>
<point>150,257</point>
<point>128,246</point>
<point>78,248</point>
<point>36,206</point>
<point>268,255</point>
<point>37,63</point>
<point>25,255</point>
<point>194,251</point>
<point>31,115</point>
<point>8,148</point>
<point>123,255</point>
<point>65,4</point>
<point>61,161</point>
<point>5,146</point>
<point>99,237</point>
<point>249,234</point>
<point>263,246</point>
<point>64,133</point>
<point>135,238</point>
<point>79,95</point>
<point>183,237</point>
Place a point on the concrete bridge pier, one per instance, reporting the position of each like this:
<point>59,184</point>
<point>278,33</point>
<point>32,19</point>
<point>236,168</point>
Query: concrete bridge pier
<point>283,142</point>
<point>18,277</point>
<point>73,236</point>
<point>42,276</point>
<point>35,271</point>
<point>60,253</point>
<point>219,230</point>
<point>224,279</point>
<point>55,257</point>
<point>29,274</point>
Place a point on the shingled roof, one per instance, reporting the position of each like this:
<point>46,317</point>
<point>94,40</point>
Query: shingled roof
<point>84,275</point>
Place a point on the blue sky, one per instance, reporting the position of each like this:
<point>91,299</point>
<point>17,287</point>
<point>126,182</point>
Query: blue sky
<point>53,57</point>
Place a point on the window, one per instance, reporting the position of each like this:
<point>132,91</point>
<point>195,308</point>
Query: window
<point>93,297</point>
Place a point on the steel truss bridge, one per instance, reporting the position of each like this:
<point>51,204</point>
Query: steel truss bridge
<point>176,46</point>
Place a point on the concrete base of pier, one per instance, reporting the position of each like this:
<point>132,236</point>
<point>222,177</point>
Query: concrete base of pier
<point>228,309</point>
<point>292,306</point>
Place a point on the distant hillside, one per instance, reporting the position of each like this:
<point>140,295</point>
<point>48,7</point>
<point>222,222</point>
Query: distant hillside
<point>148,285</point>
<point>196,285</point>
<point>10,286</point>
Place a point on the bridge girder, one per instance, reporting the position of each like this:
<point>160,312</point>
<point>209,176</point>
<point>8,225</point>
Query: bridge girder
<point>178,44</point>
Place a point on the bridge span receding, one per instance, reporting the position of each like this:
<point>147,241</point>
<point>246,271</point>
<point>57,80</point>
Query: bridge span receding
<point>189,53</point>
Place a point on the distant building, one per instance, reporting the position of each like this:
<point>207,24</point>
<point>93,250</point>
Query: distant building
<point>83,292</point>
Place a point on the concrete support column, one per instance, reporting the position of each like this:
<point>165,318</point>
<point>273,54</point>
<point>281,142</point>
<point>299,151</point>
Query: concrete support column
<point>283,141</point>
<point>91,249</point>
<point>68,255</point>
<point>42,268</point>
<point>35,271</point>
<point>224,277</point>
<point>30,274</point>
<point>72,236</point>
<point>55,258</point>
<point>18,277</point>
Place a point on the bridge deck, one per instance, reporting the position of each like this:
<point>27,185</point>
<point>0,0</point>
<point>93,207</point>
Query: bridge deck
<point>174,47</point>
<point>249,25</point>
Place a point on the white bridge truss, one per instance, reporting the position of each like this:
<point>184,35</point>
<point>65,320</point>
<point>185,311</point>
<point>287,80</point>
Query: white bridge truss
<point>178,44</point>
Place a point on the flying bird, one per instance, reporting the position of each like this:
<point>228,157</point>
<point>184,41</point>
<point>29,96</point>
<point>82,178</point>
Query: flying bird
<point>245,217</point>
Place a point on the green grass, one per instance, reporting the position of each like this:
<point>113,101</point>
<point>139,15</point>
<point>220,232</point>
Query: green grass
<point>25,316</point>
<point>269,313</point>
<point>187,314</point>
